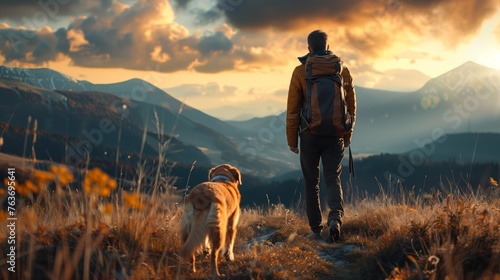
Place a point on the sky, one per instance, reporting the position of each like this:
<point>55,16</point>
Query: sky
<point>234,58</point>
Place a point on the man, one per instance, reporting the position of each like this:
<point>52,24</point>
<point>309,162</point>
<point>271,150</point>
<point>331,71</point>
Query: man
<point>329,147</point>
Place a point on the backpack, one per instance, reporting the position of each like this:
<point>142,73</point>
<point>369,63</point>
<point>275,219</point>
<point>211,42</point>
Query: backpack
<point>324,110</point>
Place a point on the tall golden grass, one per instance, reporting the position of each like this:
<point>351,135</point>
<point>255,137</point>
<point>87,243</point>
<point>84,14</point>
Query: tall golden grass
<point>96,230</point>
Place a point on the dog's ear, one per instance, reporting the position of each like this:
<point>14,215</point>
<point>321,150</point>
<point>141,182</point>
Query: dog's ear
<point>210,173</point>
<point>236,173</point>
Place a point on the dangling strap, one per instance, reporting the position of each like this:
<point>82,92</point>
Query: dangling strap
<point>352,172</point>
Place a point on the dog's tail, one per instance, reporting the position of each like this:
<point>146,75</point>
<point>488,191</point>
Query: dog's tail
<point>215,217</point>
<point>217,223</point>
<point>194,225</point>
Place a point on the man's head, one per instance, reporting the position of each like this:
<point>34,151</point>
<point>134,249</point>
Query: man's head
<point>317,41</point>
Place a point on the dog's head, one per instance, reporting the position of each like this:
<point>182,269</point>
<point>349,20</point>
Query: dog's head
<point>225,170</point>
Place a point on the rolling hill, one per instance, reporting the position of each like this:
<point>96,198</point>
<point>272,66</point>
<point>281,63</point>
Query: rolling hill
<point>73,125</point>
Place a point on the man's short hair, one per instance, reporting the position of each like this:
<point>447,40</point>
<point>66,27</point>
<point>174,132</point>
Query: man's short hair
<point>317,40</point>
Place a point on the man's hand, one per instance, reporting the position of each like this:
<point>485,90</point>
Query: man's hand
<point>346,144</point>
<point>294,149</point>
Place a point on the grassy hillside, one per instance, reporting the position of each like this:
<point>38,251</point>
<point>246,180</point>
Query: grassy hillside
<point>80,224</point>
<point>70,125</point>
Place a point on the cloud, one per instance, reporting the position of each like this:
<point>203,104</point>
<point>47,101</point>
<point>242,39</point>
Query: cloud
<point>36,47</point>
<point>460,19</point>
<point>181,3</point>
<point>141,36</point>
<point>31,12</point>
<point>198,9</point>
<point>497,33</point>
<point>241,35</point>
<point>204,17</point>
<point>373,26</point>
<point>290,14</point>
<point>217,42</point>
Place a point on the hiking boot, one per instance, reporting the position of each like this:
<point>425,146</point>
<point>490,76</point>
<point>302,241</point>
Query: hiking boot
<point>316,236</point>
<point>334,227</point>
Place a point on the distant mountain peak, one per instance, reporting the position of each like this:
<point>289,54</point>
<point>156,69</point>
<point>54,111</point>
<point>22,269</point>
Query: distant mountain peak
<point>470,63</point>
<point>468,74</point>
<point>471,67</point>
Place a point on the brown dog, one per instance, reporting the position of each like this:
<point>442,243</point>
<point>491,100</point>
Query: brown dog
<point>211,215</point>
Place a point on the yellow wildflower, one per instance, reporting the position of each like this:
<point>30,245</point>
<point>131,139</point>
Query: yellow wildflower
<point>63,175</point>
<point>26,188</point>
<point>42,177</point>
<point>98,182</point>
<point>493,182</point>
<point>106,208</point>
<point>133,200</point>
<point>104,192</point>
<point>22,190</point>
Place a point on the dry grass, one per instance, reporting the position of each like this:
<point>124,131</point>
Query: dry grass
<point>439,236</point>
<point>102,232</point>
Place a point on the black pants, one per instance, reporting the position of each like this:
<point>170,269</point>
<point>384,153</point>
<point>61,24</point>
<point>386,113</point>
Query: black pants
<point>331,151</point>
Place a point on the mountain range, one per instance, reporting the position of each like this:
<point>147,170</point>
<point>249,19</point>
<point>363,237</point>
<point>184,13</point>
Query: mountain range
<point>136,119</point>
<point>139,106</point>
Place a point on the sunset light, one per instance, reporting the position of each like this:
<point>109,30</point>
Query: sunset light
<point>249,139</point>
<point>189,43</point>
